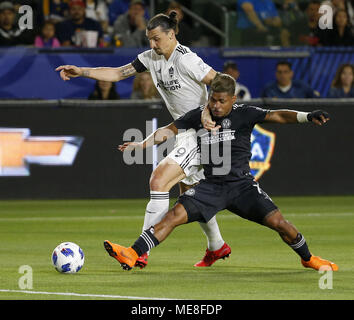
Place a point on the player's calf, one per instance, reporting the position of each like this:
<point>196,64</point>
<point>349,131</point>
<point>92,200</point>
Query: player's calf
<point>288,233</point>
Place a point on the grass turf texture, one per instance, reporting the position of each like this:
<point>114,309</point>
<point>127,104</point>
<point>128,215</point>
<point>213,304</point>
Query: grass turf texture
<point>261,266</point>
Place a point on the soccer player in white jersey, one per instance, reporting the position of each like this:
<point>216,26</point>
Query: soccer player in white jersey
<point>181,78</point>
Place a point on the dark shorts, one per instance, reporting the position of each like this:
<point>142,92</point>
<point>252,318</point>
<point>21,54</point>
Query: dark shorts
<point>244,198</point>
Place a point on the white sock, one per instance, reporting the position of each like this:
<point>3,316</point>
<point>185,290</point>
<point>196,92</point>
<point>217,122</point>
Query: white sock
<point>212,232</point>
<point>156,208</point>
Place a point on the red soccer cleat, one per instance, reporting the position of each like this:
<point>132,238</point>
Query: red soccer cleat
<point>142,261</point>
<point>211,256</point>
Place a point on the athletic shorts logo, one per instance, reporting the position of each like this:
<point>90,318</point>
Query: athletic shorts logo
<point>262,146</point>
<point>226,123</point>
<point>190,192</point>
<point>18,150</point>
<point>180,152</point>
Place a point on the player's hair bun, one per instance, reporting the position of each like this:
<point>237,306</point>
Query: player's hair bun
<point>173,16</point>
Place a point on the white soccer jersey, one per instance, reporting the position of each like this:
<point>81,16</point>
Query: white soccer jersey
<point>178,79</point>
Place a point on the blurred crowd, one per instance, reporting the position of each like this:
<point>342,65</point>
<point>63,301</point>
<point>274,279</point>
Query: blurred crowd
<point>83,23</point>
<point>296,22</point>
<point>122,23</point>
<point>104,23</point>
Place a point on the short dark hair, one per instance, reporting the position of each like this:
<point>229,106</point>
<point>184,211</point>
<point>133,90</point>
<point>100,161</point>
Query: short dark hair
<point>223,83</point>
<point>166,22</point>
<point>230,65</point>
<point>284,63</point>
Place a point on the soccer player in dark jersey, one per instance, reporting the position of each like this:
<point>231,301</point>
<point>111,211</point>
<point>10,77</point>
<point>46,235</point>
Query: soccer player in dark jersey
<point>228,183</point>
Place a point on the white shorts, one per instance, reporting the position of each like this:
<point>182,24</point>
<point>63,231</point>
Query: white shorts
<point>186,154</point>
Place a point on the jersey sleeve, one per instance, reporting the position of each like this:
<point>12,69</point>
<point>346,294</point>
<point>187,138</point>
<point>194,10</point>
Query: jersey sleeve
<point>255,114</point>
<point>138,66</point>
<point>190,120</point>
<point>194,66</point>
<point>142,62</point>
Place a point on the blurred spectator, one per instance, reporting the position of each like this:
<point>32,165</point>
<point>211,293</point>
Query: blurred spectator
<point>129,28</point>
<point>104,90</point>
<point>185,32</point>
<point>259,22</point>
<point>55,10</point>
<point>290,12</point>
<point>78,30</point>
<point>47,37</point>
<point>118,7</point>
<point>285,87</point>
<point>343,82</point>
<point>350,10</point>
<point>241,91</point>
<point>98,10</point>
<point>304,31</point>
<point>143,87</point>
<point>341,34</point>
<point>10,33</point>
<point>335,4</point>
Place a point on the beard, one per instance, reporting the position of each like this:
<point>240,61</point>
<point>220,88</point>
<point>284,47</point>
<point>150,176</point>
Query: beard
<point>158,51</point>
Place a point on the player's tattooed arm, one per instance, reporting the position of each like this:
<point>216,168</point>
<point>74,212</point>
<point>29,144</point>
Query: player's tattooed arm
<point>109,74</point>
<point>126,71</point>
<point>105,74</point>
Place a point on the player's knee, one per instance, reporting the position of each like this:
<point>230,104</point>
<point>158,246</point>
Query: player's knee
<point>276,221</point>
<point>157,182</point>
<point>178,215</point>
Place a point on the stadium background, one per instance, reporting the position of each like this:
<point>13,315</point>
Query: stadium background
<point>306,160</point>
<point>100,197</point>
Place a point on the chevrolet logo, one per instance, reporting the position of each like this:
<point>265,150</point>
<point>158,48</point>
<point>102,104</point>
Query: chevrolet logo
<point>18,150</point>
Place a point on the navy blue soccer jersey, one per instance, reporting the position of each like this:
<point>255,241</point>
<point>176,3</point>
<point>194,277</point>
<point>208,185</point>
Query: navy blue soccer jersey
<point>225,156</point>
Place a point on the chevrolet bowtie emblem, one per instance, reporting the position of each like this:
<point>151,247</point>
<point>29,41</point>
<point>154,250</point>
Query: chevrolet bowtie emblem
<point>18,149</point>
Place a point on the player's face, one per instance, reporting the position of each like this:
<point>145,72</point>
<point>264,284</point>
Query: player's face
<point>160,41</point>
<point>220,103</point>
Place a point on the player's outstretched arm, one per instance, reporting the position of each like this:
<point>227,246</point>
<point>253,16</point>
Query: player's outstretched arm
<point>318,117</point>
<point>160,135</point>
<point>102,73</point>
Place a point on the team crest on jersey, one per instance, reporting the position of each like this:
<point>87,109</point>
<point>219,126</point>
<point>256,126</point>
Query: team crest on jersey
<point>190,192</point>
<point>226,123</point>
<point>171,72</point>
<point>262,146</point>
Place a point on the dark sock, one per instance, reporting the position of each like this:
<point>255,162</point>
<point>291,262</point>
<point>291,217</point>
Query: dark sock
<point>145,242</point>
<point>299,245</point>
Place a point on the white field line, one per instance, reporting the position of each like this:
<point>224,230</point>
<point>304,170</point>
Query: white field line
<point>118,217</point>
<point>73,294</point>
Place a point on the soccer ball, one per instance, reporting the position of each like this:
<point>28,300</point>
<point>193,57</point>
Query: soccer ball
<point>68,257</point>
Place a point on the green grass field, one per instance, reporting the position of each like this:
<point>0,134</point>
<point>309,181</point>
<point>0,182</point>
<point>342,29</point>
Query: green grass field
<point>261,266</point>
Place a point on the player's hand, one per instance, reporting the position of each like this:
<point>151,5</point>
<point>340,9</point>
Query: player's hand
<point>129,146</point>
<point>208,122</point>
<point>68,71</point>
<point>318,117</point>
